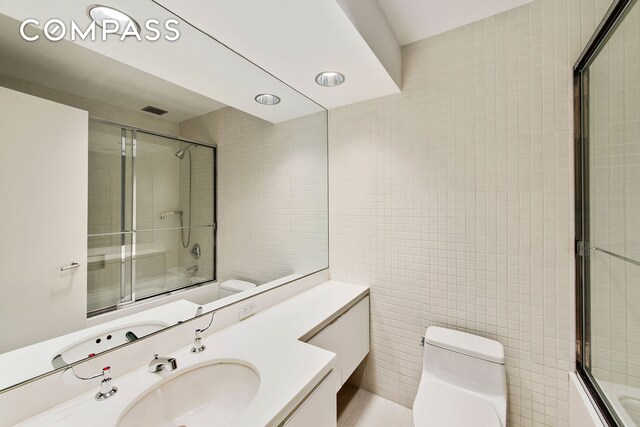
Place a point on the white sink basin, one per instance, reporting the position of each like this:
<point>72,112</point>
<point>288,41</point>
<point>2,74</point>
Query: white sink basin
<point>211,395</point>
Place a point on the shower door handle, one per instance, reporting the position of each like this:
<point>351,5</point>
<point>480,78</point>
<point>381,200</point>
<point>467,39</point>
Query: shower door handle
<point>71,266</point>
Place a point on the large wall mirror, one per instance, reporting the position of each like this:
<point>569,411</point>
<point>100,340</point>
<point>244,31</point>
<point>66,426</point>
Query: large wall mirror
<point>142,179</point>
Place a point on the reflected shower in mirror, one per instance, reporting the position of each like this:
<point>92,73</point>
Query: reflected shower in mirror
<point>150,183</point>
<point>141,246</point>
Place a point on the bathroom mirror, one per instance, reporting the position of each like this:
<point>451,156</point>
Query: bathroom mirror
<point>150,171</point>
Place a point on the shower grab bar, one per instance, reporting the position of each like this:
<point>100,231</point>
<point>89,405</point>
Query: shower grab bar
<point>70,266</point>
<point>624,258</point>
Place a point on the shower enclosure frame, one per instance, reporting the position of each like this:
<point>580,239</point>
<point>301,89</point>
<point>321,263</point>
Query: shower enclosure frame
<point>607,27</point>
<point>128,299</point>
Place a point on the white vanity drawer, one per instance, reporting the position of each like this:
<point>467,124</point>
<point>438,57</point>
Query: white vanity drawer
<point>348,337</point>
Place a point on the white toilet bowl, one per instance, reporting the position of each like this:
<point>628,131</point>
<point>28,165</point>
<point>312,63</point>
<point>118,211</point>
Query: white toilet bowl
<point>464,381</point>
<point>233,286</point>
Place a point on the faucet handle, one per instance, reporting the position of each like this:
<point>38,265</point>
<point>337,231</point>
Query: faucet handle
<point>197,343</point>
<point>107,389</point>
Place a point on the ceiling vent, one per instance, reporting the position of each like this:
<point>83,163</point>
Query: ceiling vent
<point>155,110</point>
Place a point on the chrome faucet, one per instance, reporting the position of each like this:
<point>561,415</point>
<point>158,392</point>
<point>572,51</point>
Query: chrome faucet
<point>198,347</point>
<point>197,343</point>
<point>159,363</point>
<point>191,270</point>
<point>106,388</point>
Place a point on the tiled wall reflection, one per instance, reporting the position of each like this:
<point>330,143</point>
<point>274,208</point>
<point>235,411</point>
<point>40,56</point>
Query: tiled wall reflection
<point>272,203</point>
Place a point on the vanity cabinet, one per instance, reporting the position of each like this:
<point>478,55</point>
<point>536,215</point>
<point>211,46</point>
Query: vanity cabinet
<point>43,188</point>
<point>348,337</point>
<point>319,409</point>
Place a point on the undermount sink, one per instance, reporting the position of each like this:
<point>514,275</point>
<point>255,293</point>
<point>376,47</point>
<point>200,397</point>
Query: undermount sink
<point>211,395</point>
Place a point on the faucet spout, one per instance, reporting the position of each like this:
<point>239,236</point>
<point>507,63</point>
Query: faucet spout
<point>157,364</point>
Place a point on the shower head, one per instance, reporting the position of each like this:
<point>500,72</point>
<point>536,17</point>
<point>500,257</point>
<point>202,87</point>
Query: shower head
<point>180,153</point>
<point>166,214</point>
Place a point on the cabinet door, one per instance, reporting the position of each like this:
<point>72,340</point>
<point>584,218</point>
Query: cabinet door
<point>319,409</point>
<point>348,337</point>
<point>43,220</point>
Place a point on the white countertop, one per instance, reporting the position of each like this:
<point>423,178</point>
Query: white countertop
<point>269,342</point>
<point>29,362</point>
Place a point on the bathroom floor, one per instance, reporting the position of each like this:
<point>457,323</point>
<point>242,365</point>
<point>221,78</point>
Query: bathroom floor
<point>360,408</point>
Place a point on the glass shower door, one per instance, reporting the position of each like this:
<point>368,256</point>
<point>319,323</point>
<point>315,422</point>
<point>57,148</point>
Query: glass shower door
<point>110,234</point>
<point>151,215</point>
<point>609,213</point>
<point>174,214</point>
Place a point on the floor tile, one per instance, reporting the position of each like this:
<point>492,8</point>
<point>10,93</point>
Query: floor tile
<point>360,408</point>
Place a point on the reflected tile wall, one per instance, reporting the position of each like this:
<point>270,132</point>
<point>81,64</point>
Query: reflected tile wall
<point>272,203</point>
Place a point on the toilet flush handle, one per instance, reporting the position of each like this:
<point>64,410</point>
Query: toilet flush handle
<point>422,341</point>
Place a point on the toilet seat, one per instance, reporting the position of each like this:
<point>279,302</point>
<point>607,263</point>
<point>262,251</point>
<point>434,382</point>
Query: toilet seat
<point>443,405</point>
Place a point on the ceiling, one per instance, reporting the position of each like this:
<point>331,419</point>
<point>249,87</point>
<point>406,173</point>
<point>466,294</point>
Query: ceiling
<point>94,76</point>
<point>195,62</point>
<point>295,40</point>
<point>414,20</point>
<point>291,39</point>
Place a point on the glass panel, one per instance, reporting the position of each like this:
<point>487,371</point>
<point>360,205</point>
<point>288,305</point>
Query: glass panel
<point>108,274</point>
<point>109,208</point>
<point>174,184</point>
<point>614,209</point>
<point>163,265</point>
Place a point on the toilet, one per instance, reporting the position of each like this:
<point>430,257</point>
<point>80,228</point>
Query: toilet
<point>234,286</point>
<point>463,383</point>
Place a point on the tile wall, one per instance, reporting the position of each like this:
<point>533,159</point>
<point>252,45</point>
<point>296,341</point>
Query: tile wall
<point>271,183</point>
<point>453,201</point>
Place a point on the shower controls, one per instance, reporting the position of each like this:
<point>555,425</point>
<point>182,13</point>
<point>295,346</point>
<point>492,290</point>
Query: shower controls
<point>196,251</point>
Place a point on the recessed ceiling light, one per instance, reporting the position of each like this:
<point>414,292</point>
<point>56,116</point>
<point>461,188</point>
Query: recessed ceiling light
<point>267,99</point>
<point>101,13</point>
<point>329,79</point>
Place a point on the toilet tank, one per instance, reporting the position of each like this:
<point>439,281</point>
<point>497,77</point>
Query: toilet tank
<point>466,361</point>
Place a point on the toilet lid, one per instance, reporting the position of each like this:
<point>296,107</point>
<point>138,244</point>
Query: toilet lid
<point>438,405</point>
<point>235,285</point>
